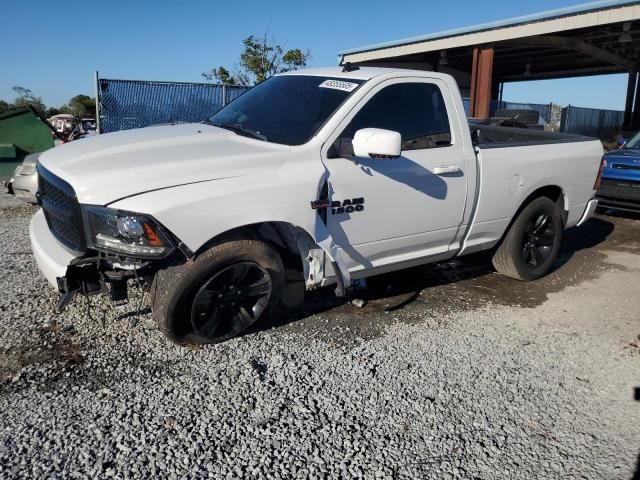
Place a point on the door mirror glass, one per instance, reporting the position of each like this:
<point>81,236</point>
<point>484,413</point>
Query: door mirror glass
<point>377,143</point>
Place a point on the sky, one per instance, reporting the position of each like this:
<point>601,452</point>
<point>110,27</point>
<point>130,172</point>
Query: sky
<point>54,48</point>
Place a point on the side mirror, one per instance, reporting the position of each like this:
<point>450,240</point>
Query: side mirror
<point>377,143</point>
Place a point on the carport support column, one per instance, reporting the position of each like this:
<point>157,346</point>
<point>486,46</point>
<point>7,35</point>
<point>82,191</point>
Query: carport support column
<point>628,106</point>
<point>481,75</point>
<point>635,117</point>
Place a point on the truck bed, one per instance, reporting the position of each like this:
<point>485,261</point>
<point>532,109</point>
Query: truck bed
<point>515,162</point>
<point>491,136</point>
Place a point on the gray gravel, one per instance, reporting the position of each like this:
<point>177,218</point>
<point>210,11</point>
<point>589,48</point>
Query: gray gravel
<point>480,378</point>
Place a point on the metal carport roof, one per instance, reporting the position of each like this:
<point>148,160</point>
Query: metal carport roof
<point>584,16</point>
<point>601,37</point>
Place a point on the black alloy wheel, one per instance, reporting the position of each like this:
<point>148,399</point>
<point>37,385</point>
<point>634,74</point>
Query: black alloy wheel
<point>231,300</point>
<point>225,290</point>
<point>531,244</point>
<point>538,240</point>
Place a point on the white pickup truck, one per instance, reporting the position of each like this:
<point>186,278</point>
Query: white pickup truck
<point>311,178</point>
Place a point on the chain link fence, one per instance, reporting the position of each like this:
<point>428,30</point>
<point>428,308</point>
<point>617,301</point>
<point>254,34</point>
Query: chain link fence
<point>126,104</point>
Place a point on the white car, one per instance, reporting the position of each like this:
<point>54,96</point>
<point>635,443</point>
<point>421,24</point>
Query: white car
<point>24,181</point>
<point>311,178</point>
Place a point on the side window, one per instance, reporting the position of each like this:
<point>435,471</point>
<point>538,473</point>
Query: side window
<point>415,110</point>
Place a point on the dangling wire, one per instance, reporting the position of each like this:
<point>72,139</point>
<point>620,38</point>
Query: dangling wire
<point>103,321</point>
<point>141,298</point>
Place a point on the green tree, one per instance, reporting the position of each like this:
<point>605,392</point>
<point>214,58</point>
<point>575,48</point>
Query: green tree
<point>221,75</point>
<point>51,111</point>
<point>83,106</point>
<point>261,58</point>
<point>26,98</point>
<point>5,106</point>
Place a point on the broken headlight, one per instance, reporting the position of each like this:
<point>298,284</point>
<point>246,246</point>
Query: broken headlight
<point>128,233</point>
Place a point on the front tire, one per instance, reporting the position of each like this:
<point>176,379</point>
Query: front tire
<point>531,245</point>
<point>218,295</point>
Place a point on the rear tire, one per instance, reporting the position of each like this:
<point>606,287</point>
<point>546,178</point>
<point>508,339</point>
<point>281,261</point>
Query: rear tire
<point>530,247</point>
<point>194,302</point>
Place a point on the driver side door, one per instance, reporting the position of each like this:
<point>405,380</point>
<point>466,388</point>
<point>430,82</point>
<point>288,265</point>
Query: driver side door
<point>389,211</point>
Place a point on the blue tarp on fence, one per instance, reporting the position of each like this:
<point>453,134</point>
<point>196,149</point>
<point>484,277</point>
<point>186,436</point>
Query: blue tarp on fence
<point>126,104</point>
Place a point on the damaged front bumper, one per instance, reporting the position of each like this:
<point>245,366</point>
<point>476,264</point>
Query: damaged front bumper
<point>52,257</point>
<point>71,271</point>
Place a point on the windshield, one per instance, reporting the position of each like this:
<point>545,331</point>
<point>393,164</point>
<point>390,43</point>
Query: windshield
<point>634,142</point>
<point>287,109</point>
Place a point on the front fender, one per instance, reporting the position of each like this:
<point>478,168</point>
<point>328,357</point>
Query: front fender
<point>199,212</point>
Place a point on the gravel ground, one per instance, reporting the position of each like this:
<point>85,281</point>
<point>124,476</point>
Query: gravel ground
<point>449,371</point>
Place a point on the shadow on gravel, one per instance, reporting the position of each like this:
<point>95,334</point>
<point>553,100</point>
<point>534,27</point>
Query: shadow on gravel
<point>627,228</point>
<point>589,235</point>
<point>620,214</point>
<point>476,271</point>
<point>459,284</point>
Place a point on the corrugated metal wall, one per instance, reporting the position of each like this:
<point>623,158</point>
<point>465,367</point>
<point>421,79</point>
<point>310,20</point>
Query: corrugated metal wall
<point>591,122</point>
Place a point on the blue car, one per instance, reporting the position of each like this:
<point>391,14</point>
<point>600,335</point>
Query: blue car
<point>620,187</point>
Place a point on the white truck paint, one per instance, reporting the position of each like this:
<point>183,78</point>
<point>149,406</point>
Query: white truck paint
<point>200,182</point>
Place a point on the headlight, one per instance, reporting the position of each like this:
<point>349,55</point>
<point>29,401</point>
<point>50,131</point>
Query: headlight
<point>125,232</point>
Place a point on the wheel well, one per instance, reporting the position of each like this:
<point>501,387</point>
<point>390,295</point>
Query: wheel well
<point>281,235</point>
<point>553,192</point>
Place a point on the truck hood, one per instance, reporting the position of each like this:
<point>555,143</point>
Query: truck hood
<point>623,164</point>
<point>105,168</point>
<point>627,155</point>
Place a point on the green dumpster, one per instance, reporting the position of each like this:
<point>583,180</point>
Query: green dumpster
<point>22,132</point>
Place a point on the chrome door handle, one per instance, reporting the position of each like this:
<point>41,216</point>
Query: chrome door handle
<point>444,169</point>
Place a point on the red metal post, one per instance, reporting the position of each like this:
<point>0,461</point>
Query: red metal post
<point>481,76</point>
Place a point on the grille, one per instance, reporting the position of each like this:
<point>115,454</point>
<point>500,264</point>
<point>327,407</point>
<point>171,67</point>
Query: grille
<point>57,197</point>
<point>624,166</point>
<point>620,189</point>
<point>61,209</point>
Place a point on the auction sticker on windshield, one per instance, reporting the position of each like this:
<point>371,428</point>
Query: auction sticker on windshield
<point>339,85</point>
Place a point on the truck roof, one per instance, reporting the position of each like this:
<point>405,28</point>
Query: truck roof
<point>362,73</point>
